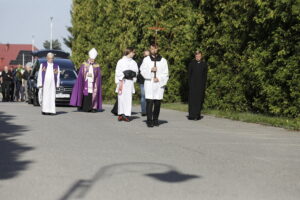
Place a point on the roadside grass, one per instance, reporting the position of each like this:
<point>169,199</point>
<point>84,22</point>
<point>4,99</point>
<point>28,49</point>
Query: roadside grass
<point>282,122</point>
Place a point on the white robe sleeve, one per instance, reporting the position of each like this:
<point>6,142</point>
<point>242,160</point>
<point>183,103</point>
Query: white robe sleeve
<point>136,70</point>
<point>39,79</point>
<point>145,70</point>
<point>58,78</point>
<point>163,77</point>
<point>119,72</point>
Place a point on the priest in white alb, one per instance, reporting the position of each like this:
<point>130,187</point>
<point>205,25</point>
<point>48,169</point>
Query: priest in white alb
<point>125,76</point>
<point>47,82</point>
<point>156,73</point>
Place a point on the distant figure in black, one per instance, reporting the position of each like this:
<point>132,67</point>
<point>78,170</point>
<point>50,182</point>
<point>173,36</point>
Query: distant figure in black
<point>7,79</point>
<point>197,70</point>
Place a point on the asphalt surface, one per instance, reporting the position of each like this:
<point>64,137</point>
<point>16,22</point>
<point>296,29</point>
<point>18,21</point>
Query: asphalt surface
<point>76,155</point>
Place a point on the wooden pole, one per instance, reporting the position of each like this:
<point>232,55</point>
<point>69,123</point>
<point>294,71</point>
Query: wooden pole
<point>156,29</point>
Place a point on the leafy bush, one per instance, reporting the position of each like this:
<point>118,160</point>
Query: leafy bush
<point>252,47</point>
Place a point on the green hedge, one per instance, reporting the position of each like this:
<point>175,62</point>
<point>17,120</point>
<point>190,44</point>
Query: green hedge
<point>252,47</point>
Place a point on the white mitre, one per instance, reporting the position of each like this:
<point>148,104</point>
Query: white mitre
<point>93,53</point>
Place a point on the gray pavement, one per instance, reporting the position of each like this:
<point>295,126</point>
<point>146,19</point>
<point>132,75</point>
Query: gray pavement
<point>76,155</point>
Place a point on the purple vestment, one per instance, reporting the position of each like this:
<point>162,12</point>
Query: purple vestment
<point>80,88</point>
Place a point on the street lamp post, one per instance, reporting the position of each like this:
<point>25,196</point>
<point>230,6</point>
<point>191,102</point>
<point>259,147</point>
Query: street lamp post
<point>32,48</point>
<point>51,27</point>
<point>23,60</point>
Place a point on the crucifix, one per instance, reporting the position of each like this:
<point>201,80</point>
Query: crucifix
<point>156,29</point>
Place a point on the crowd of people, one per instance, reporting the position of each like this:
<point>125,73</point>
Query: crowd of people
<point>14,83</point>
<point>152,75</point>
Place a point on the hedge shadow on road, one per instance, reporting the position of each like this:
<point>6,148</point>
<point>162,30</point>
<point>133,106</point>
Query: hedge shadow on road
<point>10,149</point>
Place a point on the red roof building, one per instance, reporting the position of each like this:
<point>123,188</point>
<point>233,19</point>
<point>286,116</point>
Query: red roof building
<point>12,54</point>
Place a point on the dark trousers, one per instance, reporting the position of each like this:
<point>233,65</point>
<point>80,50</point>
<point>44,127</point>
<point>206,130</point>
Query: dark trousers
<point>12,91</point>
<point>195,110</point>
<point>152,109</point>
<point>18,90</point>
<point>115,108</point>
<point>6,91</point>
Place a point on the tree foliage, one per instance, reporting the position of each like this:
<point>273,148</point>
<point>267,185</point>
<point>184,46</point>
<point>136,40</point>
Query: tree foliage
<point>252,46</point>
<point>55,44</point>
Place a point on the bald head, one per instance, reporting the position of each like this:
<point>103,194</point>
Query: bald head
<point>50,57</point>
<point>28,66</point>
<point>5,68</point>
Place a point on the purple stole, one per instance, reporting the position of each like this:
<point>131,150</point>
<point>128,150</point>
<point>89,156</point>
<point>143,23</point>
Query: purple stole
<point>85,86</point>
<point>55,71</point>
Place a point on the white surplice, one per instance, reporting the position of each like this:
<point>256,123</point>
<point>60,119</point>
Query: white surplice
<point>155,90</point>
<point>90,79</point>
<point>48,91</point>
<point>125,98</point>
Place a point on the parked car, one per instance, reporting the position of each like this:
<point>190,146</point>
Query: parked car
<point>68,78</point>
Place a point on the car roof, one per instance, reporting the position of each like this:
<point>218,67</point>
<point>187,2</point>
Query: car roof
<point>57,53</point>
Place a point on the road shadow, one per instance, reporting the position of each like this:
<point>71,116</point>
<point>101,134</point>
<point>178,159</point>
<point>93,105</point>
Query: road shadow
<point>157,171</point>
<point>131,118</point>
<point>80,110</point>
<point>201,117</point>
<point>160,122</point>
<point>61,112</point>
<point>10,149</point>
<point>134,113</point>
<point>171,176</point>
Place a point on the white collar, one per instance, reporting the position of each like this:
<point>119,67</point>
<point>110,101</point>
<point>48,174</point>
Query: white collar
<point>126,58</point>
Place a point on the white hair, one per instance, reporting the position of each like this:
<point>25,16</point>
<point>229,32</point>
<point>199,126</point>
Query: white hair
<point>50,55</point>
<point>29,64</point>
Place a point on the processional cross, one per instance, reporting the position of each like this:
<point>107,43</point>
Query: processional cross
<point>156,29</point>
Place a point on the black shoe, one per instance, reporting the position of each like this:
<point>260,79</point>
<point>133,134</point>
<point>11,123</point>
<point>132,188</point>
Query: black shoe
<point>94,111</point>
<point>150,124</point>
<point>143,114</point>
<point>191,118</point>
<point>43,113</point>
<point>155,123</point>
<point>199,117</point>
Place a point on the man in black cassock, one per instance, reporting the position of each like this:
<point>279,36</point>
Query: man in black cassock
<point>7,79</point>
<point>197,82</point>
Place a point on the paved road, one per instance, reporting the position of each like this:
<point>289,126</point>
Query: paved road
<point>76,155</point>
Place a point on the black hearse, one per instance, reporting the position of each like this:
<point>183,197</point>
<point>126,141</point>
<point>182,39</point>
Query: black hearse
<point>67,76</point>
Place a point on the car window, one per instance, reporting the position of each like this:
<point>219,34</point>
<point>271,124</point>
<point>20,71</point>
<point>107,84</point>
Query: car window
<point>67,74</point>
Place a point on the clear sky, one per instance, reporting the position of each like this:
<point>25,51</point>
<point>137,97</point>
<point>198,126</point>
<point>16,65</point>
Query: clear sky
<point>20,19</point>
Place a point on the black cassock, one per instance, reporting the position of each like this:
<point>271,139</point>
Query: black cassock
<point>197,85</point>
